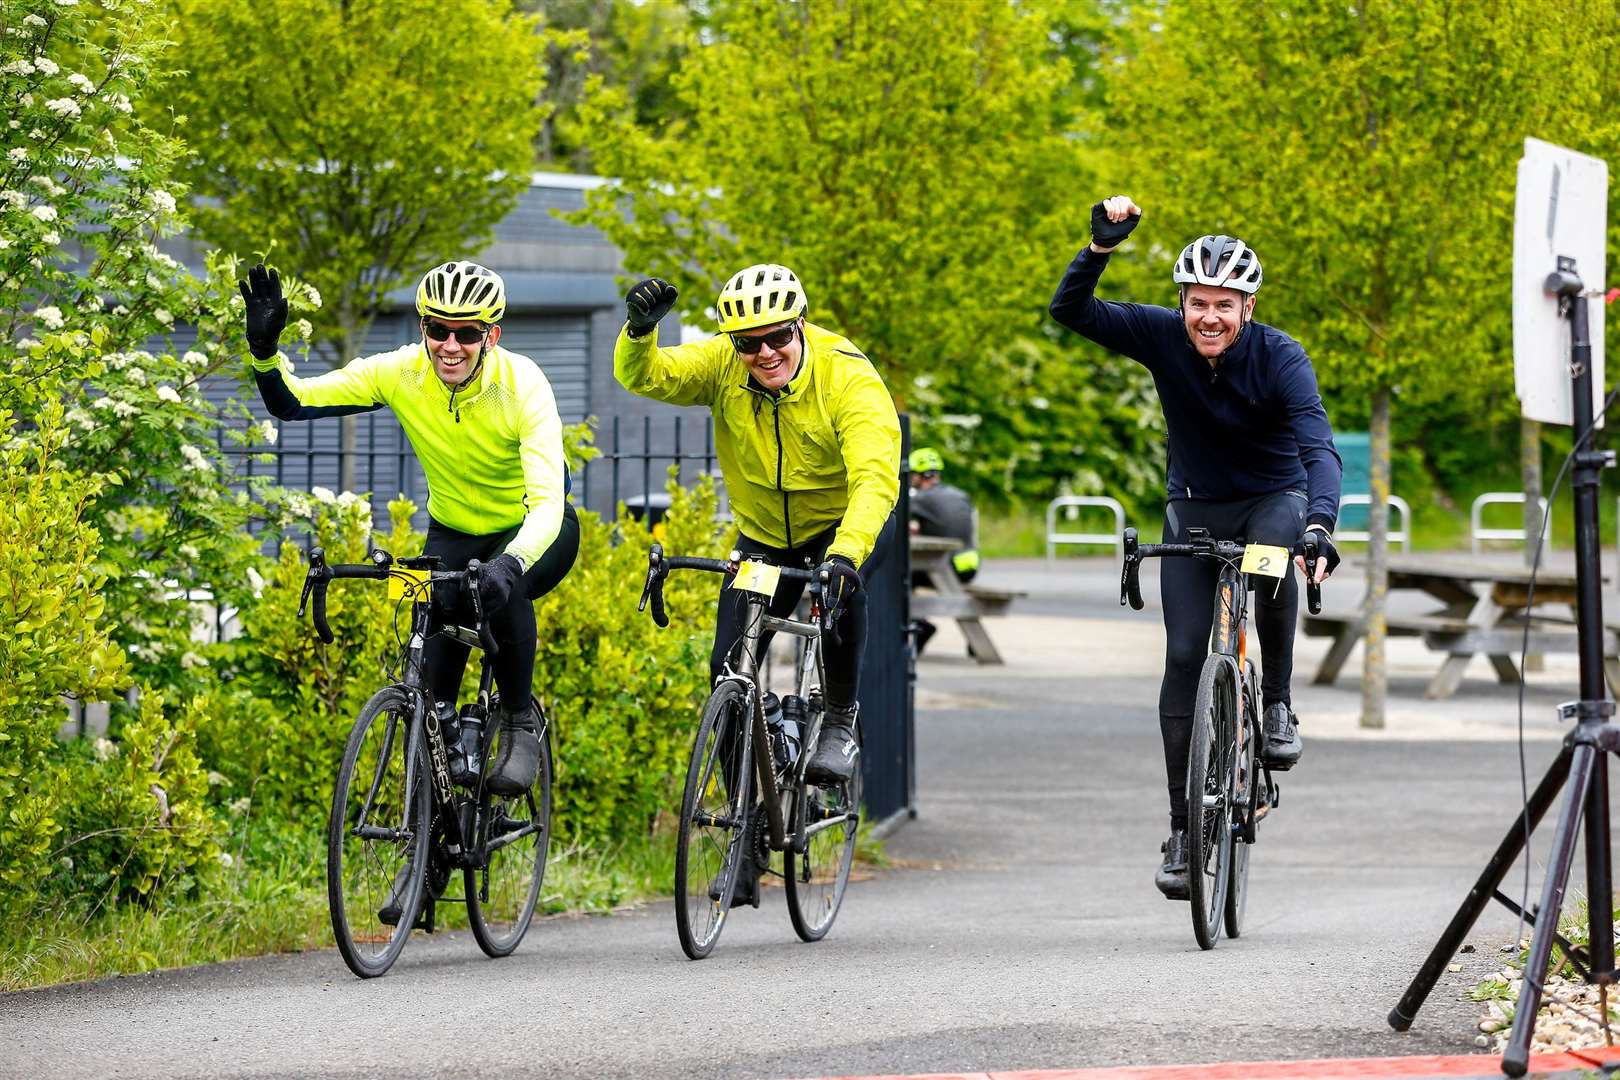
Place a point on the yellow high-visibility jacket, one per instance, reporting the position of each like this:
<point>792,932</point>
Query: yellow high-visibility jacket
<point>823,451</point>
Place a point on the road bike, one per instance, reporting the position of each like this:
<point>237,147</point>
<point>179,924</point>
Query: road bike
<point>398,828</point>
<point>724,818</point>
<point>1229,789</point>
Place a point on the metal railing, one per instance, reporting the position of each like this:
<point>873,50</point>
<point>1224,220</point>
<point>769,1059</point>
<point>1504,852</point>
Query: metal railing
<point>633,458</point>
<point>1402,536</point>
<point>1114,539</point>
<point>1477,531</point>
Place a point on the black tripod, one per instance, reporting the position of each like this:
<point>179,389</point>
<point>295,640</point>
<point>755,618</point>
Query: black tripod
<point>1582,763</point>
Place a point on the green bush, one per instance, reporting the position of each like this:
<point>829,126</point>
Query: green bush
<point>55,641</point>
<point>138,824</point>
<point>623,696</point>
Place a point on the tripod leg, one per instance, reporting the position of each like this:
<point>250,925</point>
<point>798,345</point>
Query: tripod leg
<point>1599,884</point>
<point>1516,1058</point>
<point>1401,1017</point>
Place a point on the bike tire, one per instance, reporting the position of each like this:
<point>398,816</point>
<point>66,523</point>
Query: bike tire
<point>817,877</point>
<point>715,807</point>
<point>381,783</point>
<point>1209,832</point>
<point>1245,788</point>
<point>502,893</point>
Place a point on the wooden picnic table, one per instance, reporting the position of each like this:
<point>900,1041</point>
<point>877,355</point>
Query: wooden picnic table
<point>967,604</point>
<point>1484,608</point>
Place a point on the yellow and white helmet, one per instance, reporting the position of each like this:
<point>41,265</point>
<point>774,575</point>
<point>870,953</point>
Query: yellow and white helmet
<point>462,290</point>
<point>759,296</point>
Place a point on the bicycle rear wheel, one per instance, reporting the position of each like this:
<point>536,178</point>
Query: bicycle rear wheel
<point>1209,811</point>
<point>1245,788</point>
<point>816,879</point>
<point>714,814</point>
<point>378,835</point>
<point>514,833</point>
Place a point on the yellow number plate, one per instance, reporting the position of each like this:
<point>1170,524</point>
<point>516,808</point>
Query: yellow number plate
<point>1265,560</point>
<point>757,577</point>
<point>401,579</point>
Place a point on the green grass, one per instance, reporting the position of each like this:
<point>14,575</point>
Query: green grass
<point>276,903</point>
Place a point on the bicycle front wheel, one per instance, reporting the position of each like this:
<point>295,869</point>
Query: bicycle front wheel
<point>377,835</point>
<point>714,814</point>
<point>1209,811</point>
<point>513,833</point>
<point>827,817</point>
<point>1246,781</point>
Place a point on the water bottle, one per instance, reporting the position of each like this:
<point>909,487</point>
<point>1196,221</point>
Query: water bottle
<point>444,714</point>
<point>794,718</point>
<point>773,724</point>
<point>467,758</point>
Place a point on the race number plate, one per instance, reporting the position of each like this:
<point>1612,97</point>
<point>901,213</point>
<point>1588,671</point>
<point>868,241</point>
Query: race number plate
<point>401,580</point>
<point>1265,560</point>
<point>757,577</point>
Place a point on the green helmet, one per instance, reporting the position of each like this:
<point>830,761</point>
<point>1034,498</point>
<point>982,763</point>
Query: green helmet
<point>926,459</point>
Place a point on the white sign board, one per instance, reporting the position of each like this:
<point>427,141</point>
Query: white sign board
<point>1562,209</point>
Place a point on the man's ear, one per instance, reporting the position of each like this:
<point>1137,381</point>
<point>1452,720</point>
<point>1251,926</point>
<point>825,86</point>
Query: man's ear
<point>494,336</point>
<point>1248,306</point>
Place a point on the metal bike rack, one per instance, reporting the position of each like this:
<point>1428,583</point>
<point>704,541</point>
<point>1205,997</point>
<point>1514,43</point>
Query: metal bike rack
<point>1478,533</point>
<point>1402,536</point>
<point>1115,539</point>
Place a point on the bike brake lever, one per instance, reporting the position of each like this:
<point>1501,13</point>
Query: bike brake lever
<point>654,589</point>
<point>485,637</point>
<point>1313,588</point>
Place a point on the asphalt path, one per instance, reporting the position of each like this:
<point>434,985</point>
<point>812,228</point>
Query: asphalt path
<point>1018,929</point>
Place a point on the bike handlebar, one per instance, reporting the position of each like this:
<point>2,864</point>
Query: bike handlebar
<point>382,566</point>
<point>1130,588</point>
<point>659,565</point>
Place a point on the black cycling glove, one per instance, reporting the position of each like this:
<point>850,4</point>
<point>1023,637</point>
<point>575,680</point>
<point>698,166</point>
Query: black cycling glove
<point>496,580</point>
<point>266,311</point>
<point>839,581</point>
<point>647,303</point>
<point>1105,233</point>
<point>1324,550</point>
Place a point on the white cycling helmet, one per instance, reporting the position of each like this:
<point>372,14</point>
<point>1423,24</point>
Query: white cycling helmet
<point>1222,261</point>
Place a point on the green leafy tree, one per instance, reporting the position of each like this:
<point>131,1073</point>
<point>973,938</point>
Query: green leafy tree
<point>901,156</point>
<point>365,140</point>
<point>1383,212</point>
<point>634,47</point>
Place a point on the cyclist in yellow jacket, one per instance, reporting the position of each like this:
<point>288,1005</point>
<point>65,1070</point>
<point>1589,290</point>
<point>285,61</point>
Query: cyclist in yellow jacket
<point>484,424</point>
<point>809,445</point>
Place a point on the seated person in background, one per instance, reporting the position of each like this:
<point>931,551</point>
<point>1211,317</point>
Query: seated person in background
<point>938,509</point>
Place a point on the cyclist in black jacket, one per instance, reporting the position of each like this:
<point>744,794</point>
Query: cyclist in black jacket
<point>1251,457</point>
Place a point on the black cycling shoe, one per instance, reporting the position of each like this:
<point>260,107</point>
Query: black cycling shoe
<point>1283,744</point>
<point>836,750</point>
<point>517,762</point>
<point>744,891</point>
<point>1172,876</point>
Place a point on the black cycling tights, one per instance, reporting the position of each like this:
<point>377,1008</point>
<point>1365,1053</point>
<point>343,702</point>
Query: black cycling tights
<point>842,658</point>
<point>1187,590</point>
<point>513,626</point>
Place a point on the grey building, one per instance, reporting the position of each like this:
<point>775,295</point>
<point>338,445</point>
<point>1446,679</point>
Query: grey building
<point>564,311</point>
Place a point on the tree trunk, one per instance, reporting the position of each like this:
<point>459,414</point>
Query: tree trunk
<point>1374,673</point>
<point>1530,480</point>
<point>348,426</point>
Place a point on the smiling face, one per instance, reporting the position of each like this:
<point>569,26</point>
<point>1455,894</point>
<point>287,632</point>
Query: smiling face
<point>1214,317</point>
<point>454,360</point>
<point>773,366</point>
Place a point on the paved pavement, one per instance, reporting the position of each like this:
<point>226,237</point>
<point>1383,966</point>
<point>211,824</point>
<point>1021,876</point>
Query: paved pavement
<point>1019,930</point>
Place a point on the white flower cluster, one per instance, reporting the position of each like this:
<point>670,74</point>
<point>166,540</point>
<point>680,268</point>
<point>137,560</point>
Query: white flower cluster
<point>266,431</point>
<point>195,461</point>
<point>193,358</point>
<point>46,66</point>
<point>14,199</point>
<point>189,660</point>
<point>169,394</point>
<point>44,212</point>
<point>163,316</point>
<point>17,67</point>
<point>18,154</point>
<point>162,201</point>
<point>81,83</point>
<point>64,107</point>
<point>33,20</point>
<point>49,317</point>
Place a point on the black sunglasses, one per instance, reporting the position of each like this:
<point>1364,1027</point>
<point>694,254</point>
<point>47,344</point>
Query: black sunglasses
<point>467,335</point>
<point>779,338</point>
